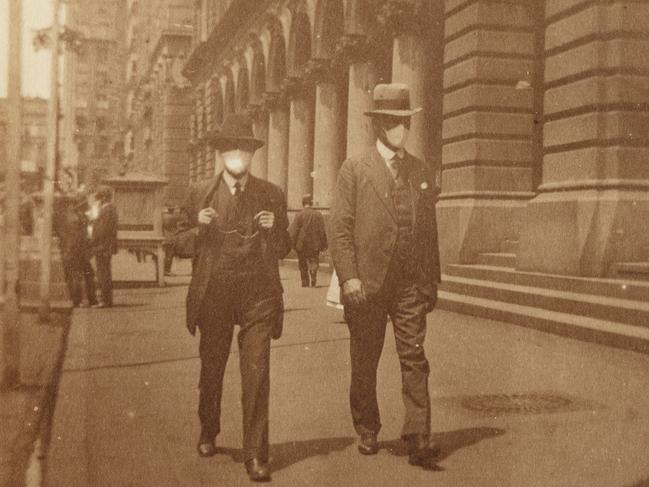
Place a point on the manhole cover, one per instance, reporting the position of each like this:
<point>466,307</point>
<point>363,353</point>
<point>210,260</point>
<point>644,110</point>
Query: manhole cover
<point>517,403</point>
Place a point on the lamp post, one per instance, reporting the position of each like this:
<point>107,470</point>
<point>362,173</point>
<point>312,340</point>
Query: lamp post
<point>50,172</point>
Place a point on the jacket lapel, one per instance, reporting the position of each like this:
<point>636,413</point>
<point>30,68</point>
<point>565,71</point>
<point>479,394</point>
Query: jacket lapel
<point>379,177</point>
<point>210,189</point>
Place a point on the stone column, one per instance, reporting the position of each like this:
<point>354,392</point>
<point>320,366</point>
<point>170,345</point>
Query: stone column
<point>300,145</point>
<point>278,123</point>
<point>488,126</point>
<point>363,76</point>
<point>329,143</point>
<point>260,128</point>
<point>593,206</point>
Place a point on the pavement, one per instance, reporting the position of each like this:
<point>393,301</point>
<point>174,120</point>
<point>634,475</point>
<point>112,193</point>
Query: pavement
<point>511,406</point>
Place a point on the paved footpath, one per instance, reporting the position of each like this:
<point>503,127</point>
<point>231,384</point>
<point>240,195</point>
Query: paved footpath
<point>511,406</point>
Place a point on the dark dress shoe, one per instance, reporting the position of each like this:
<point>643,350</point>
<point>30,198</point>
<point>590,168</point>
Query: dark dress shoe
<point>206,447</point>
<point>368,444</point>
<point>422,451</point>
<point>257,470</point>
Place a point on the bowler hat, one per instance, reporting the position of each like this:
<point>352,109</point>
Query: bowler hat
<point>392,99</point>
<point>236,132</point>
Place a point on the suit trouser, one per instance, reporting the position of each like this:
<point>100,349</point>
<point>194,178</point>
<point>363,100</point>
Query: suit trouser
<point>77,268</point>
<point>223,307</point>
<point>105,276</point>
<point>406,306</point>
<point>308,264</point>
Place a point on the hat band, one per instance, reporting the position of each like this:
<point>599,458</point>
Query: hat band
<point>400,104</point>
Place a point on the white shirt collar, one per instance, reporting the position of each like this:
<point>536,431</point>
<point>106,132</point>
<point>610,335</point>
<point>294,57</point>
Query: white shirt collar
<point>388,155</point>
<point>231,181</point>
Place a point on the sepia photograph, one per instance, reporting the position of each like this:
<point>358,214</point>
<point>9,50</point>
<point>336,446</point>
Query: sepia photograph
<point>324,243</point>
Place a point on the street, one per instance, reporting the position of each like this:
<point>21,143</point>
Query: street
<point>511,406</point>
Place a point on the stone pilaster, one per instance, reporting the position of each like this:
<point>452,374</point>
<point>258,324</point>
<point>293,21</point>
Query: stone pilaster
<point>278,124</point>
<point>363,76</point>
<point>300,144</point>
<point>488,125</point>
<point>330,129</point>
<point>593,204</point>
<point>260,127</point>
<point>406,21</point>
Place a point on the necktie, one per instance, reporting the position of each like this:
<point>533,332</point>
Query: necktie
<point>397,166</point>
<point>236,204</point>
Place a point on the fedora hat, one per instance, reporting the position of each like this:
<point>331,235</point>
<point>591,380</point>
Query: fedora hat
<point>236,131</point>
<point>392,99</point>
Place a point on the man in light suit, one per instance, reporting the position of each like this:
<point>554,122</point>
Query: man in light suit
<point>383,241</point>
<point>103,241</point>
<point>242,232</point>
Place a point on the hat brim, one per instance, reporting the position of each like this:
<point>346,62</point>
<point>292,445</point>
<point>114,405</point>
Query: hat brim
<point>220,142</point>
<point>393,113</point>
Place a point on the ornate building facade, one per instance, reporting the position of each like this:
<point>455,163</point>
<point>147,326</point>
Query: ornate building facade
<point>535,123</point>
<point>92,99</point>
<point>158,99</point>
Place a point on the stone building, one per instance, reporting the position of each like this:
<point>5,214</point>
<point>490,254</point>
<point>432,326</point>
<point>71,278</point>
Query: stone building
<point>158,100</point>
<point>93,80</point>
<point>34,138</point>
<point>535,122</point>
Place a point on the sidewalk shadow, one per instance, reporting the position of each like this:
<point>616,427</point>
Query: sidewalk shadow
<point>283,455</point>
<point>449,442</point>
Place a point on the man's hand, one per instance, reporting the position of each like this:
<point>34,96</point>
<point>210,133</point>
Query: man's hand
<point>206,215</point>
<point>353,292</point>
<point>265,219</point>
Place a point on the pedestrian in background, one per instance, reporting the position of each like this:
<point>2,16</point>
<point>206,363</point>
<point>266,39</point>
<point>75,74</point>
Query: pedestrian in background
<point>170,222</point>
<point>242,232</point>
<point>309,238</point>
<point>70,227</point>
<point>103,241</point>
<point>383,241</point>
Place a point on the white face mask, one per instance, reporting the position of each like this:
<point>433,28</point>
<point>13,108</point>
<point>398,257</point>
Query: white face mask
<point>396,136</point>
<point>237,162</point>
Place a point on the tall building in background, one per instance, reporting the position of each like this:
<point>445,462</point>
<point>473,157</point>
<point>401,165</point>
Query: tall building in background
<point>93,82</point>
<point>158,97</point>
<point>34,139</point>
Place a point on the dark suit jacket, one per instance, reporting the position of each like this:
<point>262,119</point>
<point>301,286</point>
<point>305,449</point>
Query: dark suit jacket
<point>104,231</point>
<point>363,222</point>
<point>308,232</point>
<point>275,244</point>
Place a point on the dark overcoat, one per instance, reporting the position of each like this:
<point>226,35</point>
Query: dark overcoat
<point>275,242</point>
<point>363,222</point>
<point>308,232</point>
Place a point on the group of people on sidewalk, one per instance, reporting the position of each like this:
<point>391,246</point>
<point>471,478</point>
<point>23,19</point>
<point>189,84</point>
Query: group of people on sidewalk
<point>382,236</point>
<point>86,226</point>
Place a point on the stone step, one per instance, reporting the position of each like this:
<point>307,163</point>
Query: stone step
<point>631,289</point>
<point>580,327</point>
<point>605,308</point>
<point>633,270</point>
<point>510,246</point>
<point>499,259</point>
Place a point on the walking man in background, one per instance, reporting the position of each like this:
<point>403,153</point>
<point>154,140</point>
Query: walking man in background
<point>103,241</point>
<point>309,238</point>
<point>242,232</point>
<point>383,240</point>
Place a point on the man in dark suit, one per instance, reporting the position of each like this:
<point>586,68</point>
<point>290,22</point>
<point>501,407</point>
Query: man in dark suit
<point>309,238</point>
<point>103,241</point>
<point>70,226</point>
<point>383,240</point>
<point>242,232</point>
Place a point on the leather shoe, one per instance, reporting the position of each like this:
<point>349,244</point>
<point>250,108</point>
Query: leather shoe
<point>206,447</point>
<point>257,470</point>
<point>421,450</point>
<point>368,444</point>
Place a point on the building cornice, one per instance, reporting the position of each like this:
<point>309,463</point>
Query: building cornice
<point>238,18</point>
